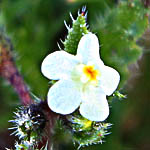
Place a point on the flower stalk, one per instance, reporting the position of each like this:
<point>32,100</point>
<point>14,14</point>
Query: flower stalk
<point>9,71</point>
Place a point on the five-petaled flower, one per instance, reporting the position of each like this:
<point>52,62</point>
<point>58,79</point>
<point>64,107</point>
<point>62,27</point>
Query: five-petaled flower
<point>84,80</point>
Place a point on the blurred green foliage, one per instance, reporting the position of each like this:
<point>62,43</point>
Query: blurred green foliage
<point>36,26</point>
<point>118,29</point>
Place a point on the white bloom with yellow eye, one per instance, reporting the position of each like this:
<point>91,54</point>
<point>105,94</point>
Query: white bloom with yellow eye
<point>84,80</point>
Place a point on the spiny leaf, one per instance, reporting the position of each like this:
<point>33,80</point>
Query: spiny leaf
<point>79,28</point>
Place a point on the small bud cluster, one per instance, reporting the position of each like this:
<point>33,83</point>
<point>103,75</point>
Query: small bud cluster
<point>24,146</point>
<point>86,132</point>
<point>29,123</point>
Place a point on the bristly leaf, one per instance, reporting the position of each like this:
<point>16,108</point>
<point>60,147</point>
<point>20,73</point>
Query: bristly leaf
<point>79,28</point>
<point>86,132</point>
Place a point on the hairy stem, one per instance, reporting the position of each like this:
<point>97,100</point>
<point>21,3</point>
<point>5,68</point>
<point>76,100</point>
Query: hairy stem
<point>9,71</point>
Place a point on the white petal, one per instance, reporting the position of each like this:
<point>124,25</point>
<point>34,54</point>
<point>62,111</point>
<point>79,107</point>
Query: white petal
<point>88,48</point>
<point>109,80</point>
<point>58,65</point>
<point>95,107</point>
<point>64,97</point>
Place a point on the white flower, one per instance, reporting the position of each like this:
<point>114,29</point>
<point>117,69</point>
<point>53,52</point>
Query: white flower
<point>84,80</point>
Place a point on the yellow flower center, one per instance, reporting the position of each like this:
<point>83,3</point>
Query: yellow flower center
<point>86,74</point>
<point>90,73</point>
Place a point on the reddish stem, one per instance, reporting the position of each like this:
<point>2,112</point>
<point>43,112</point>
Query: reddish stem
<point>9,71</point>
<point>51,120</point>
